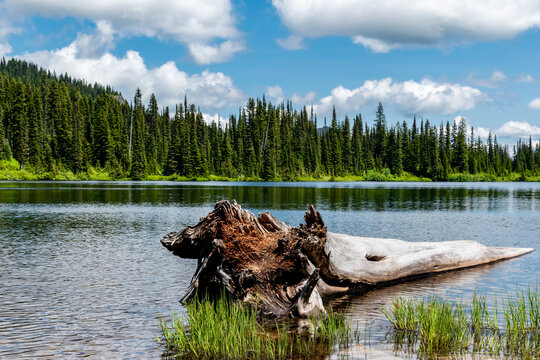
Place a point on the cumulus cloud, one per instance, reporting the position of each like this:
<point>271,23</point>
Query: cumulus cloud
<point>209,90</point>
<point>409,97</point>
<point>275,94</point>
<point>386,24</point>
<point>207,27</point>
<point>518,129</point>
<point>292,42</point>
<point>496,79</point>
<point>207,54</point>
<point>534,104</point>
<point>91,45</point>
<point>509,131</point>
<point>216,118</point>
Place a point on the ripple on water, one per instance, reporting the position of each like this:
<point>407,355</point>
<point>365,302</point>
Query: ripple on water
<point>83,273</point>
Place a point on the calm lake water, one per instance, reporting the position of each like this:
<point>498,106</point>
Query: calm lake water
<point>82,271</point>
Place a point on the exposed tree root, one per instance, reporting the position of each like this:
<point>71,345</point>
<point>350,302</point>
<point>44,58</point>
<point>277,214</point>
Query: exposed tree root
<point>285,269</point>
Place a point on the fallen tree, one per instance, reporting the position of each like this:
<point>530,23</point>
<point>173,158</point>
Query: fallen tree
<point>287,271</point>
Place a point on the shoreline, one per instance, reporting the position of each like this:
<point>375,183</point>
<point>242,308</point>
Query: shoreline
<point>10,170</point>
<point>23,175</point>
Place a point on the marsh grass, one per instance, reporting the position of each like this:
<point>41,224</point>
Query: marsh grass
<point>438,326</point>
<point>223,329</point>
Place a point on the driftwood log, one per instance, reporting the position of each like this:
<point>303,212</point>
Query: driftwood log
<point>287,271</point>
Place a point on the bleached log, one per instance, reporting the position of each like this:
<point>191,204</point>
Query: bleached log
<point>285,270</point>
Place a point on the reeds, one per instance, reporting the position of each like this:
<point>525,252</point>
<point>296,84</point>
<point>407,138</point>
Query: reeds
<point>439,326</point>
<point>223,329</point>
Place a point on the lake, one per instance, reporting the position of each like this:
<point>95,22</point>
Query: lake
<point>83,273</point>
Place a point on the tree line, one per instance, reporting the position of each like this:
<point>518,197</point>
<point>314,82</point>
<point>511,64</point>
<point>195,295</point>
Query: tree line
<point>51,122</point>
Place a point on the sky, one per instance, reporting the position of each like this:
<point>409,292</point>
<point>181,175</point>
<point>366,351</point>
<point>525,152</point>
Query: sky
<point>434,60</point>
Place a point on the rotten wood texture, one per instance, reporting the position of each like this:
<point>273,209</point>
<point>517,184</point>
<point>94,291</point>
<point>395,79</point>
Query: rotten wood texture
<point>285,270</point>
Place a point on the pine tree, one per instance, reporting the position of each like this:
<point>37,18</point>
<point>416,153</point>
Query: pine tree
<point>357,155</point>
<point>226,155</point>
<point>346,145</point>
<point>460,152</point>
<point>335,147</point>
<point>412,163</point>
<point>19,125</point>
<point>59,122</point>
<point>78,164</point>
<point>394,145</point>
<point>3,140</point>
<point>380,138</point>
<point>443,153</point>
<point>473,154</point>
<point>36,135</point>
<point>152,132</point>
<point>138,154</point>
<point>104,150</point>
<point>269,148</point>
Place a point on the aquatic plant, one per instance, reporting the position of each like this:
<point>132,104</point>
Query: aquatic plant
<point>226,329</point>
<point>439,326</point>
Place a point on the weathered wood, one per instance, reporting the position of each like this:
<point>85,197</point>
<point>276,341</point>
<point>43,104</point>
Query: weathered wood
<point>285,269</point>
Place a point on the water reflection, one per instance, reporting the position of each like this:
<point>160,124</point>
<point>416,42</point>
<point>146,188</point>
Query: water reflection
<point>83,272</point>
<point>342,196</point>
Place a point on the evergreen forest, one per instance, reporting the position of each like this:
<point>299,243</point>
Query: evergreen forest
<point>53,124</point>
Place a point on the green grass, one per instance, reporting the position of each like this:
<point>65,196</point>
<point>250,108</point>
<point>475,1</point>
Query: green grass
<point>11,170</point>
<point>440,327</point>
<point>223,329</point>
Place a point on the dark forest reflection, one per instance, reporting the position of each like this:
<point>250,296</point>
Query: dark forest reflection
<point>270,196</point>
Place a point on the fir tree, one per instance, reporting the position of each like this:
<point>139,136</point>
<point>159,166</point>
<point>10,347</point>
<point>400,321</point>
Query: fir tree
<point>380,138</point>
<point>138,155</point>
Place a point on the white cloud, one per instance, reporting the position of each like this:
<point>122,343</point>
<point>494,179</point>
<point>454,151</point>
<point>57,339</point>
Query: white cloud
<point>275,94</point>
<point>6,28</point>
<point>195,23</point>
<point>525,78</point>
<point>216,118</point>
<point>495,80</point>
<point>209,90</point>
<point>409,97</point>
<point>5,49</point>
<point>508,132</point>
<point>518,129</point>
<point>534,104</point>
<point>386,24</point>
<point>498,76</point>
<point>90,45</point>
<point>482,132</point>
<point>207,54</point>
<point>292,42</point>
<point>374,44</point>
<point>305,99</point>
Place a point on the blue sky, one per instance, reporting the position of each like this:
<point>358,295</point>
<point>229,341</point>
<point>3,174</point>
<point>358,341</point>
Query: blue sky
<point>419,57</point>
